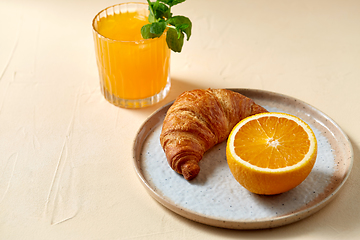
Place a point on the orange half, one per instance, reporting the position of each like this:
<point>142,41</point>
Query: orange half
<point>271,153</point>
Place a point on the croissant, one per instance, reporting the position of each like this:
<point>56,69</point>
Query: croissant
<point>197,121</point>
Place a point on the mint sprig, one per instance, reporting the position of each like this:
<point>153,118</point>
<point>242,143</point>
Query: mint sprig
<point>161,18</point>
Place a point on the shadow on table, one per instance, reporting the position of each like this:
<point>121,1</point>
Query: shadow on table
<point>178,86</point>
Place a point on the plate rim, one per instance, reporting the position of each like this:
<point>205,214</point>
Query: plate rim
<point>235,224</point>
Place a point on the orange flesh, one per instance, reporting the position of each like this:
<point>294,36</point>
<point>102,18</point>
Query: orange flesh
<point>271,142</point>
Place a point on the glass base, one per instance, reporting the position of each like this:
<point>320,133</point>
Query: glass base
<point>137,103</point>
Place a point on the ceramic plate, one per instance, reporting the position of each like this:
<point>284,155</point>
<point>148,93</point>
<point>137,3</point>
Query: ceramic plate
<point>215,198</point>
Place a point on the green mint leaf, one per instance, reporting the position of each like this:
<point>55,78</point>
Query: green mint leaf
<point>174,40</point>
<point>146,33</point>
<point>157,28</point>
<point>151,18</point>
<point>161,18</point>
<point>172,2</point>
<point>160,10</point>
<point>182,24</point>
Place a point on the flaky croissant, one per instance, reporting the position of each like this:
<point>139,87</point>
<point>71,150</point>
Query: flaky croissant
<point>197,121</point>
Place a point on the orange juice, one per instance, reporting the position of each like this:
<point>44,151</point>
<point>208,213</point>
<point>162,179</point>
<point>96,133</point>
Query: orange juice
<point>130,67</point>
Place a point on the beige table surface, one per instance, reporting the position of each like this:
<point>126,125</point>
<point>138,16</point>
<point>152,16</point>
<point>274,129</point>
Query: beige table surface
<point>66,168</point>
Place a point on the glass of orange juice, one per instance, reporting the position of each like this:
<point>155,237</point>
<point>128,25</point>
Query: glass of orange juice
<point>134,72</point>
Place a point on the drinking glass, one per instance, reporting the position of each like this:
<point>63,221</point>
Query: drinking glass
<point>134,72</point>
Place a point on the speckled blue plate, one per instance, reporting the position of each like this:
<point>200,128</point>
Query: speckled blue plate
<point>215,198</point>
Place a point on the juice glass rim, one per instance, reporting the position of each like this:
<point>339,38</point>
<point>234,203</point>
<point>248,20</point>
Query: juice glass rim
<point>116,40</point>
